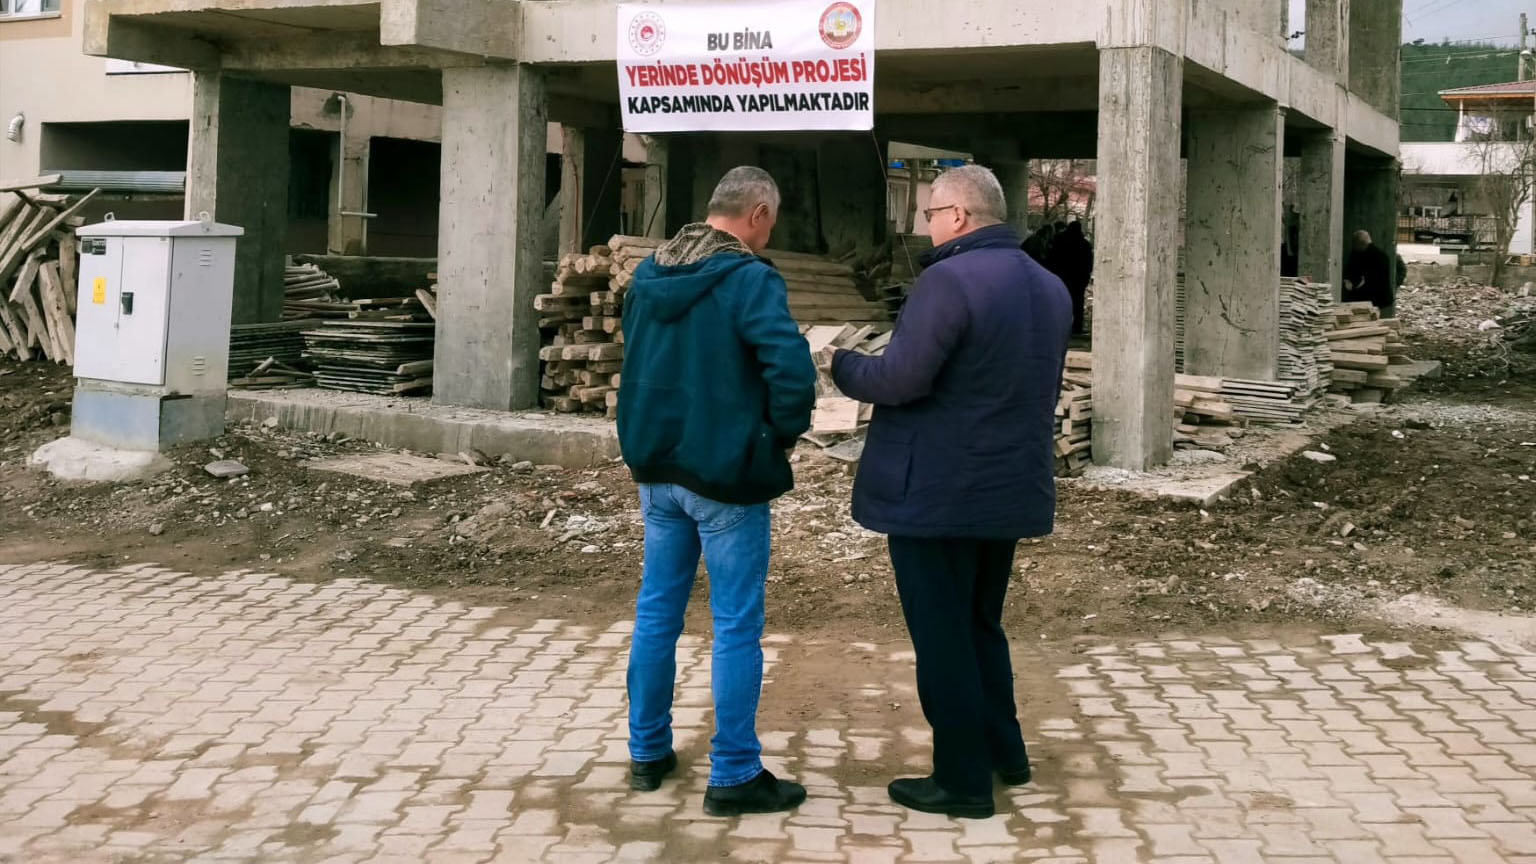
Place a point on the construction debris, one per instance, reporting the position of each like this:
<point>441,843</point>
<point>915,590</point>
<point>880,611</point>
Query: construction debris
<point>39,266</point>
<point>583,340</point>
<point>309,293</point>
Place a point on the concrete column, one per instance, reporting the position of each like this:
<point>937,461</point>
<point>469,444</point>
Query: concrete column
<point>1375,52</point>
<point>1370,200</point>
<point>1014,176</point>
<point>656,185</point>
<point>348,235</point>
<point>237,171</point>
<point>1321,198</point>
<point>489,227</point>
<point>1140,102</point>
<point>1232,242</point>
<point>1265,17</point>
<point>573,157</point>
<point>1327,27</point>
<point>591,187</point>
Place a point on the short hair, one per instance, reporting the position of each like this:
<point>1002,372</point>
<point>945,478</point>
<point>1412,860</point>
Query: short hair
<point>976,189</point>
<point>1362,237</point>
<point>741,190</point>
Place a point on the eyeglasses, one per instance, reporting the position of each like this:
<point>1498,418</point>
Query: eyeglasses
<point>928,212</point>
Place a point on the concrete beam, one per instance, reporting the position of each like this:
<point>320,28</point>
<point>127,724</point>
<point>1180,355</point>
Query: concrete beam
<point>1077,93</point>
<point>491,214</point>
<point>1369,127</point>
<point>1141,23</point>
<point>332,51</point>
<point>1321,196</point>
<point>107,35</point>
<point>583,31</point>
<point>1232,243</point>
<point>485,28</point>
<point>237,171</point>
<point>1136,259</point>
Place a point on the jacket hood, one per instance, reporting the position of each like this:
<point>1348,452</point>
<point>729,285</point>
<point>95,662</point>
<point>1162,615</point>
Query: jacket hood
<point>991,237</point>
<point>670,292</point>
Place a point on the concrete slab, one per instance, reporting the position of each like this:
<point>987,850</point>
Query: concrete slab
<point>76,459</point>
<point>397,468</point>
<point>417,424</point>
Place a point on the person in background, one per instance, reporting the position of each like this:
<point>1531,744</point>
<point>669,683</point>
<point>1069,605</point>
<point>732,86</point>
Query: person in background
<point>958,466</point>
<point>1369,275</point>
<point>1038,244</point>
<point>718,386</point>
<point>1071,259</point>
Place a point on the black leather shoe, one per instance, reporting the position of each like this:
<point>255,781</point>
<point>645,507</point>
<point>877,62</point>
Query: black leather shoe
<point>922,793</point>
<point>764,793</point>
<point>647,776</point>
<point>1014,776</point>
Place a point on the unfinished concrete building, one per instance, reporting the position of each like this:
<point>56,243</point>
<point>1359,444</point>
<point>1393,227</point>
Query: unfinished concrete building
<point>1136,84</point>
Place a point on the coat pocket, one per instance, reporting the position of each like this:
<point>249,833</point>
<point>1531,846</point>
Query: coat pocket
<point>885,470</point>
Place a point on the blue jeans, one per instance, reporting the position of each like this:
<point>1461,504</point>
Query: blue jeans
<point>735,543</point>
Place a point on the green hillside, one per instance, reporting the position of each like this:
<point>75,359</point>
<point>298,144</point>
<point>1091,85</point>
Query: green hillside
<point>1428,69</point>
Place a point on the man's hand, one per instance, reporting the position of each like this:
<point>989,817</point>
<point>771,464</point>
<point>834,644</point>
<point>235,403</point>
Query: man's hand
<point>825,356</point>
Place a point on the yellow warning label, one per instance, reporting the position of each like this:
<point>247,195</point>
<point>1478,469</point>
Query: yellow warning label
<point>99,291</point>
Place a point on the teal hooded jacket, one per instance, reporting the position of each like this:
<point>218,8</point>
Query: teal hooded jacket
<point>718,383</point>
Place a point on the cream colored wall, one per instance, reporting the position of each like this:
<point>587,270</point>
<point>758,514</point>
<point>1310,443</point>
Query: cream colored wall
<point>44,76</point>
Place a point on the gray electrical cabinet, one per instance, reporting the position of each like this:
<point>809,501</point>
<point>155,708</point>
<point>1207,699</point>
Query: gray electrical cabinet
<point>152,331</point>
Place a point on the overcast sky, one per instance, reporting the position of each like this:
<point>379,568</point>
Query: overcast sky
<point>1433,20</point>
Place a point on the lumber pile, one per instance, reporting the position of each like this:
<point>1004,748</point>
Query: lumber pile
<point>310,293</point>
<point>390,358</point>
<point>1364,350</point>
<point>583,348</point>
<point>1074,417</point>
<point>837,416</point>
<point>1305,318</point>
<point>269,356</point>
<point>39,266</point>
<point>1203,412</point>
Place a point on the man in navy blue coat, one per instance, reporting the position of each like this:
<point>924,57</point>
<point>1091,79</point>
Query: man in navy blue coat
<point>958,467</point>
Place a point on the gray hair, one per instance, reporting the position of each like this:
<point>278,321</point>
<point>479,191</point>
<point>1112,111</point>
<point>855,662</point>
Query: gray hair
<point>975,188</point>
<point>1362,236</point>
<point>741,190</point>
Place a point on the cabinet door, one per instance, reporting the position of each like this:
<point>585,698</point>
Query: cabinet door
<point>141,321</point>
<point>97,304</point>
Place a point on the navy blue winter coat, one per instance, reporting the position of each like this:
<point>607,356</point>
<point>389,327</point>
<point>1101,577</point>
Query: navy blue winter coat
<point>961,445</point>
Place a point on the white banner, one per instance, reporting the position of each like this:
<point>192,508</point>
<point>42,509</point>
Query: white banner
<point>748,67</point>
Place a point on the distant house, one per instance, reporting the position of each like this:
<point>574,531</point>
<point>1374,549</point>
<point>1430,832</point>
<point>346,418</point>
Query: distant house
<point>1450,189</point>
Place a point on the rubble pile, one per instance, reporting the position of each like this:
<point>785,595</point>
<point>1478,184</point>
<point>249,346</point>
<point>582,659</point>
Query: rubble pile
<point>1478,330</point>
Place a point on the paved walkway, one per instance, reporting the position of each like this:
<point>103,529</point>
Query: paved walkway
<point>149,716</point>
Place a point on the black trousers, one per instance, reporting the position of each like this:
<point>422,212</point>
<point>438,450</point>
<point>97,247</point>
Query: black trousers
<point>952,596</point>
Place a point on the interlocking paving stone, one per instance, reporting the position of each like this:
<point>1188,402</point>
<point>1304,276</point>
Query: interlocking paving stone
<point>148,715</point>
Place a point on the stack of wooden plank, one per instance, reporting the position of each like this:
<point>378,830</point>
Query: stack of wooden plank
<point>261,354</point>
<point>39,265</point>
<point>583,350</point>
<point>1265,401</point>
<point>1200,403</point>
<point>1364,350</point>
<point>310,293</point>
<point>1305,317</point>
<point>385,357</point>
<point>1178,321</point>
<point>1074,436</point>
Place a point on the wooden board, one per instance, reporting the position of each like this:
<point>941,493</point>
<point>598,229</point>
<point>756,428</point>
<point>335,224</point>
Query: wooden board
<point>56,312</point>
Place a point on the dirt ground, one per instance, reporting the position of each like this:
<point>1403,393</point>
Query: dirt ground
<point>1433,496</point>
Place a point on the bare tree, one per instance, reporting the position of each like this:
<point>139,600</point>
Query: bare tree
<point>1059,183</point>
<point>1506,172</point>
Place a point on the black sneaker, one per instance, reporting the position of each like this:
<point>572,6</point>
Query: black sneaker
<point>1018,776</point>
<point>762,794</point>
<point>647,776</point>
<point>922,793</point>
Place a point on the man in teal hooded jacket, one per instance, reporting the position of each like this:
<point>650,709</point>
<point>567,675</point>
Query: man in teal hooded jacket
<point>718,385</point>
